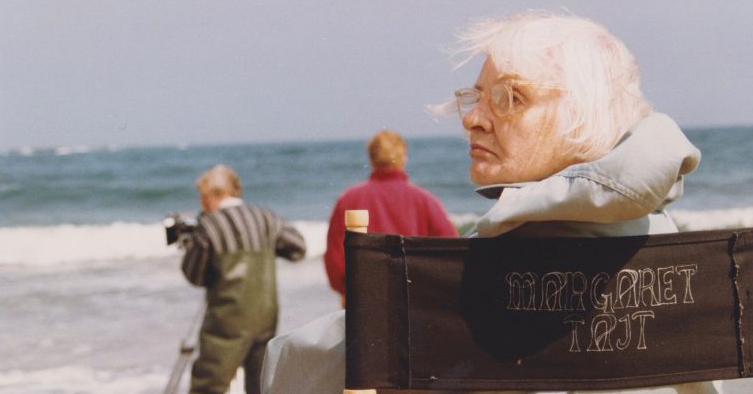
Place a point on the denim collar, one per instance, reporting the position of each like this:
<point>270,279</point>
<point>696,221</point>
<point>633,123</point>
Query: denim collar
<point>493,192</point>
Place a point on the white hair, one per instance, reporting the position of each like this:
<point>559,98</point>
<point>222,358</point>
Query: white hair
<point>602,98</point>
<point>219,180</point>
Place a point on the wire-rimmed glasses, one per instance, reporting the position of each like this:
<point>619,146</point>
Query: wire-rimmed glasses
<point>503,100</point>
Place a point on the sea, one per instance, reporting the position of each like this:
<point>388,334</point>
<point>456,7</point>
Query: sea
<point>92,299</point>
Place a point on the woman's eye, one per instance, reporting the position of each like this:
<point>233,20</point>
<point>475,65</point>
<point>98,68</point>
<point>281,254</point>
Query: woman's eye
<point>517,98</point>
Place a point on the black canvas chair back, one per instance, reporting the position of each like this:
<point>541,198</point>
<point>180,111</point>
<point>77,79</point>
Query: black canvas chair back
<point>548,314</point>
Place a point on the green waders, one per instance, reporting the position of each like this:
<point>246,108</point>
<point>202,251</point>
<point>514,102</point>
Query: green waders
<point>241,317</point>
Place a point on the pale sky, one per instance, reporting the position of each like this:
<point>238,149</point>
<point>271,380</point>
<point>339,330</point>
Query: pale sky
<point>143,72</point>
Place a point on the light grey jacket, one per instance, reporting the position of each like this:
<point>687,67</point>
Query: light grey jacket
<point>623,193</point>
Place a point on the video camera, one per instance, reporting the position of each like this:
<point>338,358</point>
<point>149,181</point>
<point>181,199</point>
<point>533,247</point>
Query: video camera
<point>175,226</point>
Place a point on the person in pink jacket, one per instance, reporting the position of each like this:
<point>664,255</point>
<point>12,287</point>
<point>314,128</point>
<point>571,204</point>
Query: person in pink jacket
<point>395,205</point>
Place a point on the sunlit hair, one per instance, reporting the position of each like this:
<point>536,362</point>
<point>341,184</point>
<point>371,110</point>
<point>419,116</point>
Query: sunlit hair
<point>387,150</point>
<point>219,180</point>
<point>601,98</point>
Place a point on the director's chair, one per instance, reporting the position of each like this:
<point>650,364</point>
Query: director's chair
<point>547,314</point>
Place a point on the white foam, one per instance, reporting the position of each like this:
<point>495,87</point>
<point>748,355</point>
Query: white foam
<point>461,219</point>
<point>315,234</point>
<point>69,150</point>
<point>9,187</point>
<point>26,151</point>
<point>86,380</point>
<point>713,219</point>
<point>74,379</point>
<point>66,243</point>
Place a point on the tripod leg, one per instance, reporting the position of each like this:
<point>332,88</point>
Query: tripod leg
<point>187,347</point>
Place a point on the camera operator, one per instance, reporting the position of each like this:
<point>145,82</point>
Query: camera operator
<point>232,253</point>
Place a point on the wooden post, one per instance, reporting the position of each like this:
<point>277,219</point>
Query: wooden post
<point>357,221</point>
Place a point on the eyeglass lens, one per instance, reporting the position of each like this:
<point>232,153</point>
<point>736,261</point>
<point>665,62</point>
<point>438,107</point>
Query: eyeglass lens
<point>501,100</point>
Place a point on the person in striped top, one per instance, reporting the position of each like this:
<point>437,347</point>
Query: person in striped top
<point>232,254</point>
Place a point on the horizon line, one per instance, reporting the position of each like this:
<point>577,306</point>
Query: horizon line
<point>82,148</point>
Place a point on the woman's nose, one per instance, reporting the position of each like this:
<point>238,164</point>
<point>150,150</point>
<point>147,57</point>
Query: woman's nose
<point>476,121</point>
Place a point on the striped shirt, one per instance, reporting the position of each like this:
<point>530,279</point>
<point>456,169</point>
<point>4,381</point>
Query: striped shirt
<point>236,228</point>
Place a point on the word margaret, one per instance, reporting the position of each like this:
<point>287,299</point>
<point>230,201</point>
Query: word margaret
<point>573,291</point>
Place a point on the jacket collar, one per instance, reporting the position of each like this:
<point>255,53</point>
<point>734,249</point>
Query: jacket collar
<point>385,175</point>
<point>493,192</point>
<point>228,202</point>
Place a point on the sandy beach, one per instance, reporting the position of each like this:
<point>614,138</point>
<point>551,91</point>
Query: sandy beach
<point>116,327</point>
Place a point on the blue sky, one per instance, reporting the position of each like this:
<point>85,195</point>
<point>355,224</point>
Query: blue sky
<point>144,72</point>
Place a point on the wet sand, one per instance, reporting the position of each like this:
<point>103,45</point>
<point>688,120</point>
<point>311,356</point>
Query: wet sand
<point>115,327</point>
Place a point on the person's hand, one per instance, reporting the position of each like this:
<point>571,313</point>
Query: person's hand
<point>185,241</point>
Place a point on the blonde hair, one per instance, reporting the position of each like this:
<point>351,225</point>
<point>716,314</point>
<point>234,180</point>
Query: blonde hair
<point>219,180</point>
<point>602,98</point>
<point>387,150</point>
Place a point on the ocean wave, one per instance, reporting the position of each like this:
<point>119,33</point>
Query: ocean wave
<point>715,219</point>
<point>66,243</point>
<point>69,150</point>
<point>29,151</point>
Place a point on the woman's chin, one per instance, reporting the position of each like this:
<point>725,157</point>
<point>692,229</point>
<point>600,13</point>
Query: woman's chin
<point>483,178</point>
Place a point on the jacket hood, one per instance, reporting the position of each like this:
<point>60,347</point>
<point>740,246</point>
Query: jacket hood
<point>641,175</point>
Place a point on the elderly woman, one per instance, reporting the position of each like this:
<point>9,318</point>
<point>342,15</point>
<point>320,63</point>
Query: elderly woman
<point>562,136</point>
